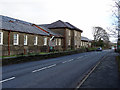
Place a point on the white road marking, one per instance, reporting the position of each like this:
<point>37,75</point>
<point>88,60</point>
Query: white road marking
<point>44,68</point>
<point>51,66</point>
<point>79,57</point>
<point>64,62</point>
<point>68,61</point>
<point>7,79</point>
<point>39,69</point>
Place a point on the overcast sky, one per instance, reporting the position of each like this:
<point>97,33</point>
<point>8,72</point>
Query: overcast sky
<point>83,14</point>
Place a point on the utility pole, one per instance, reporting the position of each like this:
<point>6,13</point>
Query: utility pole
<point>118,42</point>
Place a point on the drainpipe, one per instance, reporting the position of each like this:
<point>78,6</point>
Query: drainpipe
<point>9,43</point>
<point>65,40</point>
<point>24,51</point>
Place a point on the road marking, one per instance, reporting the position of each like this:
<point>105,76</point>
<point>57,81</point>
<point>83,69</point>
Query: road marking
<point>68,61</point>
<point>7,79</point>
<point>44,68</point>
<point>51,66</point>
<point>80,57</point>
<point>89,73</point>
<point>64,62</point>
<point>39,69</point>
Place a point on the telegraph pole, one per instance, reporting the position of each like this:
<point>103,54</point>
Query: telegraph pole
<point>118,42</point>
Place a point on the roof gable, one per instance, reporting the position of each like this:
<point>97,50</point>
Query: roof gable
<point>61,24</point>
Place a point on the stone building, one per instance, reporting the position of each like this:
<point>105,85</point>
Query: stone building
<point>85,42</point>
<point>70,33</point>
<point>19,37</point>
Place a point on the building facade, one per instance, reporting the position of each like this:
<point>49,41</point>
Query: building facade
<point>18,37</point>
<point>71,34</point>
<point>85,42</point>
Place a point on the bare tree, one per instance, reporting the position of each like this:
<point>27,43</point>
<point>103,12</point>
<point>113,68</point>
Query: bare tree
<point>113,30</point>
<point>100,33</point>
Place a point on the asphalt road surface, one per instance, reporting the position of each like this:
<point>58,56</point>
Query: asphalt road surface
<point>61,72</point>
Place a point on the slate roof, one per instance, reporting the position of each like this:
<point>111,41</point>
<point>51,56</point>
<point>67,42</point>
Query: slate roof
<point>84,39</point>
<point>50,32</point>
<point>19,26</point>
<point>61,24</point>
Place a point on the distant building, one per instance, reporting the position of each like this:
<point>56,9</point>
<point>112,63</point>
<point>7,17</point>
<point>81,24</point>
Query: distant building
<point>85,42</point>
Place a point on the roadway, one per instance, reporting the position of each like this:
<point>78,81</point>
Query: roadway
<point>61,72</point>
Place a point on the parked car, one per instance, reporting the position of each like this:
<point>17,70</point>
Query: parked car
<point>99,49</point>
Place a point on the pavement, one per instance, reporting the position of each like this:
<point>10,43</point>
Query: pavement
<point>105,75</point>
<point>62,72</point>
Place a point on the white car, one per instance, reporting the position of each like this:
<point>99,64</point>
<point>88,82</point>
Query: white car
<point>99,49</point>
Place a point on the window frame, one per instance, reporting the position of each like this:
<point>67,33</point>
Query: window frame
<point>17,39</point>
<point>75,42</point>
<point>75,33</point>
<point>69,33</point>
<point>1,38</point>
<point>45,41</point>
<point>35,40</point>
<point>59,42</point>
<point>25,39</point>
<point>56,42</point>
<point>69,42</point>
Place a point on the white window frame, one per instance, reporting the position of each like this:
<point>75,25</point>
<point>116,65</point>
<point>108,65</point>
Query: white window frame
<point>59,41</point>
<point>45,41</point>
<point>25,39</point>
<point>17,40</point>
<point>75,42</point>
<point>56,42</point>
<point>69,33</point>
<point>1,43</point>
<point>35,40</point>
<point>69,42</point>
<point>75,33</point>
